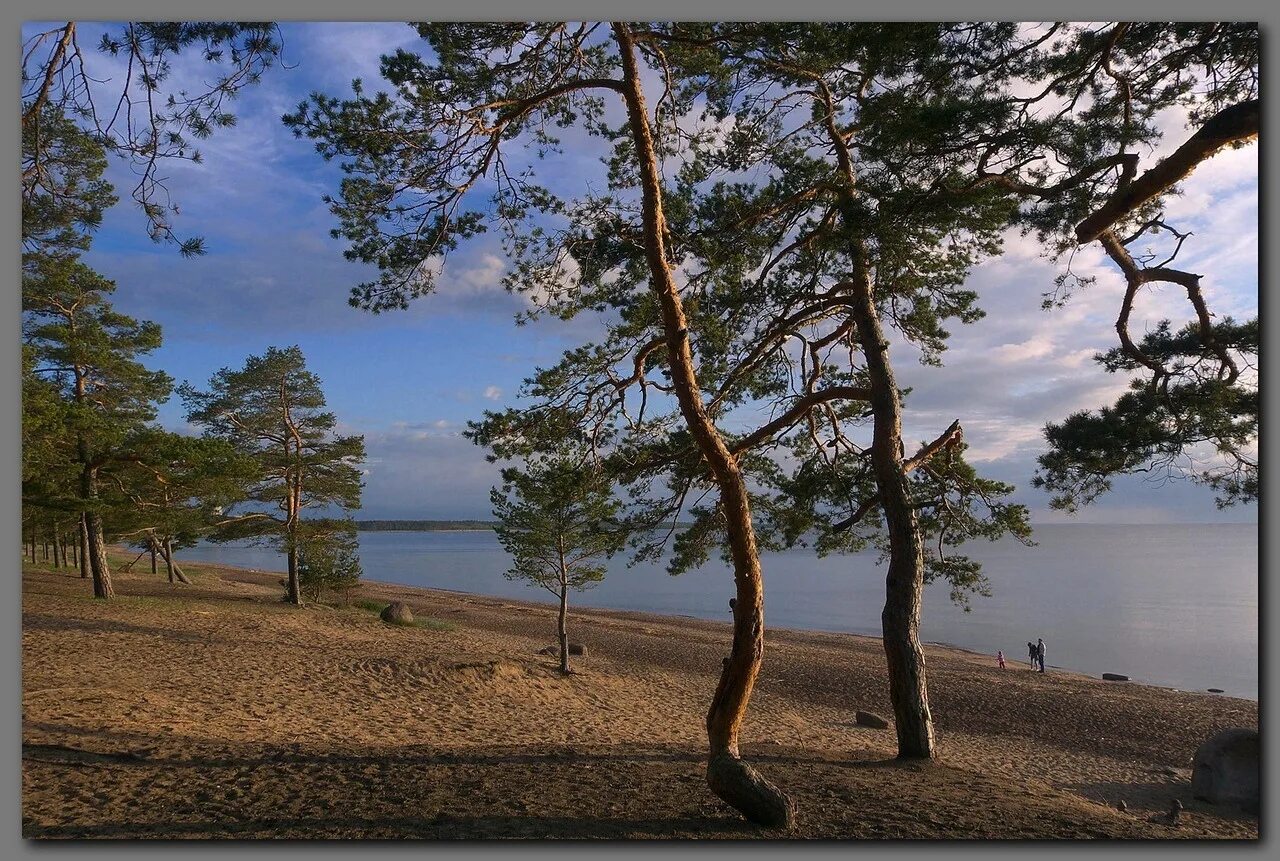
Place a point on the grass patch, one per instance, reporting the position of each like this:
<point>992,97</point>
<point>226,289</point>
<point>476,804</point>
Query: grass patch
<point>434,624</point>
<point>369,604</point>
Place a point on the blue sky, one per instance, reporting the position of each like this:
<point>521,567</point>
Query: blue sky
<point>410,380</point>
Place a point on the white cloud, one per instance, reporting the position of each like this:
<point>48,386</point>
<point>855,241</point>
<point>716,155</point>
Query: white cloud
<point>492,393</point>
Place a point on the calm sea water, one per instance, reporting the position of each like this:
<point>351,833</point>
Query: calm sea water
<point>1168,605</point>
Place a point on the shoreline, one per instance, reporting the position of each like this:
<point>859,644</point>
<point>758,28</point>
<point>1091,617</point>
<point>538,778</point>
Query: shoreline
<point>464,723</point>
<point>652,615</point>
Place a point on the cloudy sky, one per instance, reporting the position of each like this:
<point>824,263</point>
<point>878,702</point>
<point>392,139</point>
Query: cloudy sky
<point>409,381</point>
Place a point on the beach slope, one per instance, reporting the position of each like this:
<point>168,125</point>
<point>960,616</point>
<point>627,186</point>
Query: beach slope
<point>214,710</point>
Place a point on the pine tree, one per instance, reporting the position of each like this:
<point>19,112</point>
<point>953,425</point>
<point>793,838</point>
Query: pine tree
<point>329,560</point>
<point>157,125</point>
<point>91,354</point>
<point>557,519</point>
<point>174,489</point>
<point>272,410</point>
<point>63,192</point>
<point>795,196</point>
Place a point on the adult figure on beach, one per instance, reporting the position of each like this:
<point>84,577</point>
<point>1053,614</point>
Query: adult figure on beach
<point>1040,653</point>
<point>1000,658</point>
<point>1031,650</point>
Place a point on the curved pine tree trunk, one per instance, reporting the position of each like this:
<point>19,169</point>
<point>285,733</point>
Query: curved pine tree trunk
<point>728,776</point>
<point>904,583</point>
<point>293,505</point>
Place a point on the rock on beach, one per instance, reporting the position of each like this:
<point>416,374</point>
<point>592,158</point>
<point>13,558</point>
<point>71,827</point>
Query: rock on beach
<point>870,719</point>
<point>397,613</point>
<point>1225,769</point>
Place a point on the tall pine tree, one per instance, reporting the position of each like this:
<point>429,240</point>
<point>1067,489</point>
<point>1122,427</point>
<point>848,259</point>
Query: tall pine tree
<point>92,354</point>
<point>273,411</point>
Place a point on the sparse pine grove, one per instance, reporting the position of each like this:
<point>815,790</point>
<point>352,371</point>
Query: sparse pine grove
<point>784,212</point>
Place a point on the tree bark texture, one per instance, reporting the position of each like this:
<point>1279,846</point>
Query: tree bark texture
<point>295,585</point>
<point>96,546</point>
<point>904,583</point>
<point>293,503</point>
<point>728,776</point>
<point>562,628</point>
<point>84,546</point>
<point>175,573</point>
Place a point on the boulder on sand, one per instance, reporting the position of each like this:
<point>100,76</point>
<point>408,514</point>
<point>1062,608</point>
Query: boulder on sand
<point>1225,769</point>
<point>574,649</point>
<point>870,719</point>
<point>397,613</point>
<point>1115,677</point>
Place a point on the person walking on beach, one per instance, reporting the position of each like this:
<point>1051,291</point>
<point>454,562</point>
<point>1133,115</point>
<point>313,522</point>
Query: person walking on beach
<point>1031,650</point>
<point>1040,653</point>
<point>1000,658</point>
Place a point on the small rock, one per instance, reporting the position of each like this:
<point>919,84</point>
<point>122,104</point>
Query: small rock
<point>549,650</point>
<point>1175,812</point>
<point>1215,690</point>
<point>1115,677</point>
<point>870,719</point>
<point>577,649</point>
<point>1121,806</point>
<point>1226,769</point>
<point>397,613</point>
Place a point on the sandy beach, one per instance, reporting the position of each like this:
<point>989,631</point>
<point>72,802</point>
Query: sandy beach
<point>214,710</point>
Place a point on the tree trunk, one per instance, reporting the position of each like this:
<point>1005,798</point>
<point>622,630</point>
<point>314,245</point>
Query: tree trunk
<point>84,546</point>
<point>175,573</point>
<point>561,629</point>
<point>904,584</point>
<point>728,775</point>
<point>96,547</point>
<point>65,542</point>
<point>293,508</point>
<point>295,587</point>
<point>151,547</point>
<point>98,558</point>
